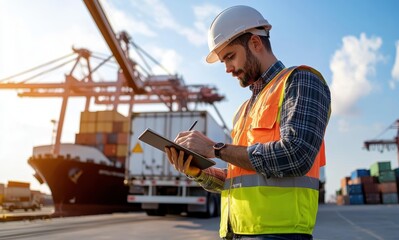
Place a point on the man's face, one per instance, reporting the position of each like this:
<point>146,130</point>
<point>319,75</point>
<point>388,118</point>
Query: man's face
<point>241,63</point>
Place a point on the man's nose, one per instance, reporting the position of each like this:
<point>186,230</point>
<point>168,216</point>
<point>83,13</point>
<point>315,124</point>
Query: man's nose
<point>229,68</point>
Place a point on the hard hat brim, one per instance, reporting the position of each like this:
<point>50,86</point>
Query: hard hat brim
<point>213,57</point>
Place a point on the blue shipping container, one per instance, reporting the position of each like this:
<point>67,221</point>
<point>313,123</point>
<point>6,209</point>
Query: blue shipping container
<point>356,199</point>
<point>355,189</point>
<point>360,173</point>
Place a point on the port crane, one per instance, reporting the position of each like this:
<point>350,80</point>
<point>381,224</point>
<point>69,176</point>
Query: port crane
<point>135,84</point>
<point>385,144</point>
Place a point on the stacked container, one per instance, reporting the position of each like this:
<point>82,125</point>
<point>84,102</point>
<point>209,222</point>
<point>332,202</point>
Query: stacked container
<point>359,178</point>
<point>387,181</point>
<point>342,194</point>
<point>108,131</point>
<point>369,185</point>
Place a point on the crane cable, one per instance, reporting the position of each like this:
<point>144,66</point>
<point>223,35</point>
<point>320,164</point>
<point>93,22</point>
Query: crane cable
<point>49,70</point>
<point>37,67</point>
<point>391,126</point>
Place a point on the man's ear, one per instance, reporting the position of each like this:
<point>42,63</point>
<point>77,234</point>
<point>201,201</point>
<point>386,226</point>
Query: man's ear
<point>256,43</point>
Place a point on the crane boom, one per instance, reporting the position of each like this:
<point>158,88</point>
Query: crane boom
<point>105,28</point>
<point>381,145</point>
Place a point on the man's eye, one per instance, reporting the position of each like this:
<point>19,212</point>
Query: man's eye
<point>230,57</point>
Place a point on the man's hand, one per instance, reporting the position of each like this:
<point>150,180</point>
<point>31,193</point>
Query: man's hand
<point>181,164</point>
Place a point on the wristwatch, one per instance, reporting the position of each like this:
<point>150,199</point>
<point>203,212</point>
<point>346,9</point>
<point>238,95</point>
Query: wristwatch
<point>217,147</point>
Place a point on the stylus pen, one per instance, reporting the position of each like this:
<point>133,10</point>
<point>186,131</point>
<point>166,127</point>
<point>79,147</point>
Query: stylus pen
<point>192,126</point>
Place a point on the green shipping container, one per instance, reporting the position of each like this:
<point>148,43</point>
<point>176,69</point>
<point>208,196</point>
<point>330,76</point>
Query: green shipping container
<point>379,167</point>
<point>387,176</point>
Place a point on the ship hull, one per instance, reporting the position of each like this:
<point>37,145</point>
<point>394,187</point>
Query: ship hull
<point>83,188</point>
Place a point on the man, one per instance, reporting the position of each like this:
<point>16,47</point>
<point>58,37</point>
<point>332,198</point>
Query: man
<point>270,188</point>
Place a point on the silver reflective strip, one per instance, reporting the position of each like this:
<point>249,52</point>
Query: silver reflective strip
<point>255,180</point>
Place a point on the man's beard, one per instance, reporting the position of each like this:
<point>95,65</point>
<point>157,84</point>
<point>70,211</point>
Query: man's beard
<point>251,70</point>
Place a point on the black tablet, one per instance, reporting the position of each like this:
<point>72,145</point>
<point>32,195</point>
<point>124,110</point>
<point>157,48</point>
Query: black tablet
<point>154,139</point>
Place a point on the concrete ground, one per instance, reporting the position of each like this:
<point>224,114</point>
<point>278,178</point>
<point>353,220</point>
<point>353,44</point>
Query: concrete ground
<point>333,223</point>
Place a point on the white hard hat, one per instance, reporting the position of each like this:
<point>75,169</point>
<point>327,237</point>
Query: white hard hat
<point>231,23</point>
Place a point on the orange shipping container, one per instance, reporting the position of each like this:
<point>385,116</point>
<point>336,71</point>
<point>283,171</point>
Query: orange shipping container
<point>122,138</point>
<point>104,127</point>
<point>344,181</point>
<point>18,184</point>
<point>85,138</point>
<point>87,116</point>
<point>126,127</point>
<point>121,150</point>
<point>388,187</point>
<point>110,150</point>
<point>88,127</point>
<point>117,127</point>
<point>105,116</point>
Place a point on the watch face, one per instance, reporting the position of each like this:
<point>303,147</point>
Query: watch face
<point>218,145</point>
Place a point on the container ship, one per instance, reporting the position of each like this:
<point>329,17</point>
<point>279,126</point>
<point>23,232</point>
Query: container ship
<point>87,177</point>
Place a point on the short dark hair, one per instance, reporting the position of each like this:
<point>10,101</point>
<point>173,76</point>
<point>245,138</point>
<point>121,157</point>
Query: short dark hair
<point>244,38</point>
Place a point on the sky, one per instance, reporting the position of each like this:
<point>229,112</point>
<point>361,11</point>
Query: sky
<point>354,44</point>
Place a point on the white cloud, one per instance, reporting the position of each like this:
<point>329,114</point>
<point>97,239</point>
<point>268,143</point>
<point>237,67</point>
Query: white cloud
<point>395,69</point>
<point>351,67</point>
<point>196,33</point>
<point>121,21</point>
<point>168,58</point>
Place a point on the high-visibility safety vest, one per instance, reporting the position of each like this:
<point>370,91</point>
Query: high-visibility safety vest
<point>253,203</point>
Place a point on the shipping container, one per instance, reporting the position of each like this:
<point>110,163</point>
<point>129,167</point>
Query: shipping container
<point>355,189</point>
<point>371,188</point>
<point>360,173</point>
<point>104,127</point>
<point>388,187</point>
<point>344,181</point>
<point>342,200</point>
<point>389,198</point>
<point>356,199</point>
<point>378,167</point>
<point>387,176</point>
<point>87,127</point>
<point>364,180</point>
<point>88,117</point>
<point>372,198</point>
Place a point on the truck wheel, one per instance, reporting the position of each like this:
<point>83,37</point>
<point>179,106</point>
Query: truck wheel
<point>211,206</point>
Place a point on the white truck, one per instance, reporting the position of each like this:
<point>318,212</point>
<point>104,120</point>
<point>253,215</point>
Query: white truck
<point>18,195</point>
<point>154,182</point>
